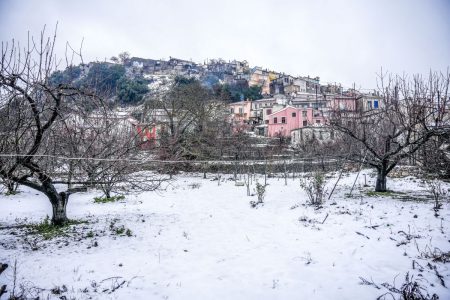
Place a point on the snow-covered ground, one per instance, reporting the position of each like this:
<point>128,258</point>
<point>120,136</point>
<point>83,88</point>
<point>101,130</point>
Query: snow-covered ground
<point>201,240</point>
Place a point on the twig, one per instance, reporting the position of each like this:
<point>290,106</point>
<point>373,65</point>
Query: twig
<point>114,277</point>
<point>325,218</point>
<point>373,226</point>
<point>363,235</point>
<point>357,175</point>
<point>367,282</point>
<point>382,297</point>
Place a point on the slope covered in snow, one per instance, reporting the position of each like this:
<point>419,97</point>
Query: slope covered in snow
<point>202,240</point>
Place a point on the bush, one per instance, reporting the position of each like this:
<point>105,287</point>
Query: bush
<point>261,193</point>
<point>108,199</point>
<point>410,290</point>
<point>49,231</point>
<point>122,230</point>
<point>437,192</point>
<point>314,186</point>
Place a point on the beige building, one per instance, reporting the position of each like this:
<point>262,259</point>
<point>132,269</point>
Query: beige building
<point>260,77</point>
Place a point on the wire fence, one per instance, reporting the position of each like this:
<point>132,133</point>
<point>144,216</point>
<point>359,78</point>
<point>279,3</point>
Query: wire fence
<point>268,165</point>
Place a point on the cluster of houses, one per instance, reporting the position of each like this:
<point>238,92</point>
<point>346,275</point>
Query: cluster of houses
<point>291,107</point>
<point>298,116</point>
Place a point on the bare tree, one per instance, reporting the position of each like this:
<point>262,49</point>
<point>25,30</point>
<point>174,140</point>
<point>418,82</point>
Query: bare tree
<point>44,128</point>
<point>191,120</point>
<point>110,144</point>
<point>412,110</point>
<point>434,157</point>
<point>33,107</point>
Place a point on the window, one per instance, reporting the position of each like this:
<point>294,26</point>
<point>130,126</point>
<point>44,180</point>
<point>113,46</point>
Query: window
<point>294,114</point>
<point>275,120</point>
<point>317,121</point>
<point>267,121</point>
<point>283,120</point>
<point>232,110</point>
<point>269,111</point>
<point>241,110</point>
<point>369,104</point>
<point>305,123</point>
<point>304,113</point>
<point>375,103</point>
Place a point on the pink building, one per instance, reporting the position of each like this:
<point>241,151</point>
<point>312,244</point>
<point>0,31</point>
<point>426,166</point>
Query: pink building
<point>241,110</point>
<point>343,103</point>
<point>240,114</point>
<point>290,118</point>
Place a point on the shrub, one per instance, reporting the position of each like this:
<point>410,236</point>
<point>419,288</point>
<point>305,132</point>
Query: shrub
<point>195,185</point>
<point>437,192</point>
<point>49,231</point>
<point>120,230</point>
<point>410,290</point>
<point>108,199</point>
<point>314,186</point>
<point>261,193</point>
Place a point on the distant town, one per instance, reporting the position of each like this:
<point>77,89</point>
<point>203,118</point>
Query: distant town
<point>293,107</point>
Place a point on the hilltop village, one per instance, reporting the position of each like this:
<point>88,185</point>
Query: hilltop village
<point>294,107</point>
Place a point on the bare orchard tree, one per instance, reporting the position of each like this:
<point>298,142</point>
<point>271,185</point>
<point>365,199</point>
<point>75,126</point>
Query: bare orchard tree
<point>42,133</point>
<point>411,111</point>
<point>190,118</point>
<point>33,107</point>
<point>434,157</point>
<point>109,154</point>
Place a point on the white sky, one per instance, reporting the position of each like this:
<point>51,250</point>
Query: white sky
<point>340,41</point>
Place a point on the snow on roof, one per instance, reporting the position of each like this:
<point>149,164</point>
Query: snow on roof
<point>288,106</point>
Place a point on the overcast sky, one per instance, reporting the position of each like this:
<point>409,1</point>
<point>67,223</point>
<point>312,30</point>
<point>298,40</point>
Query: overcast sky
<point>340,41</point>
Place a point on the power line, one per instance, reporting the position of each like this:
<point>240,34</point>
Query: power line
<point>148,160</point>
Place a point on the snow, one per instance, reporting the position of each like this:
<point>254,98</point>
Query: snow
<point>201,240</point>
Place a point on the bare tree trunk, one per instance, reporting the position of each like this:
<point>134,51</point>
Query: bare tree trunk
<point>59,206</point>
<point>381,180</point>
<point>70,175</point>
<point>107,191</point>
<point>11,187</point>
<point>265,171</point>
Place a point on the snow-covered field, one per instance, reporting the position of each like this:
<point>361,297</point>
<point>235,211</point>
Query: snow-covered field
<point>201,240</point>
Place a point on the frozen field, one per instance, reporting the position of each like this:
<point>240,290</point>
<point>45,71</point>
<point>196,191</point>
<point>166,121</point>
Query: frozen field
<point>201,240</point>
